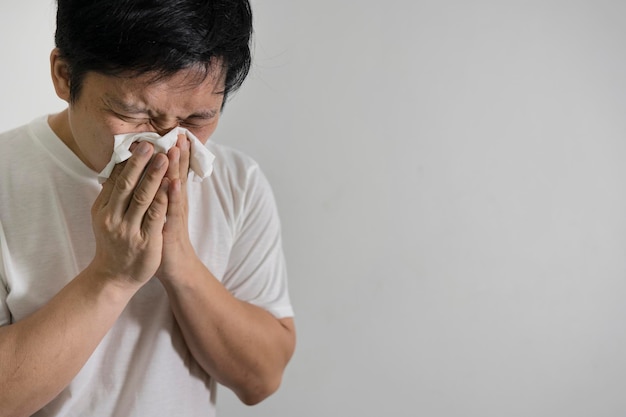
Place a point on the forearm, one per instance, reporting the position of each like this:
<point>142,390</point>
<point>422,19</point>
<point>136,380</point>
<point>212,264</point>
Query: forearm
<point>242,346</point>
<point>42,353</point>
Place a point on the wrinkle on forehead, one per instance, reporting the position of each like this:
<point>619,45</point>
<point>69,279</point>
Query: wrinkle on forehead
<point>189,78</point>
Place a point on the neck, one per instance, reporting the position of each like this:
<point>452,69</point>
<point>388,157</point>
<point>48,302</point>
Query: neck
<point>60,125</point>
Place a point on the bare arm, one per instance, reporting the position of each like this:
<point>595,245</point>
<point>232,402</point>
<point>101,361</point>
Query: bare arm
<point>242,346</point>
<point>41,354</point>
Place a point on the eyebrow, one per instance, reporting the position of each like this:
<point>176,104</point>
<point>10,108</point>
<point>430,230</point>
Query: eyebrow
<point>206,114</point>
<point>129,108</point>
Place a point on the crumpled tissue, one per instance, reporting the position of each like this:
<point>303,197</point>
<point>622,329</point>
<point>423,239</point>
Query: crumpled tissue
<point>200,158</point>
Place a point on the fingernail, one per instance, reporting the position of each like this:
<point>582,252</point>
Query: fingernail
<point>142,148</point>
<point>159,161</point>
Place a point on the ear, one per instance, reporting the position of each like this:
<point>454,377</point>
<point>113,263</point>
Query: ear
<point>60,72</point>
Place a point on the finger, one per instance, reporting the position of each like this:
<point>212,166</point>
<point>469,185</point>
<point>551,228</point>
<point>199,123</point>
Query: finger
<point>127,179</point>
<point>154,220</point>
<point>185,155</point>
<point>173,169</point>
<point>143,195</point>
<point>108,186</point>
<point>175,206</point>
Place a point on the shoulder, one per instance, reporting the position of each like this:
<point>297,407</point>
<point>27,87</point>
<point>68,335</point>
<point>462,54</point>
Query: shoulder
<point>16,147</point>
<point>238,183</point>
<point>14,135</point>
<point>234,169</point>
<point>231,160</point>
<point>24,136</point>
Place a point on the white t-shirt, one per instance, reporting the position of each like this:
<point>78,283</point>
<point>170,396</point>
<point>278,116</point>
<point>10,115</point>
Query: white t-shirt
<point>142,367</point>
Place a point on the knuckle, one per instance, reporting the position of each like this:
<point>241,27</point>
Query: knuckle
<point>142,197</point>
<point>107,224</point>
<point>104,224</point>
<point>158,208</point>
<point>155,212</point>
<point>123,184</point>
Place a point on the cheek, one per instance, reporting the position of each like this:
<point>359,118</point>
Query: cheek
<point>204,134</point>
<point>103,133</point>
<point>99,147</point>
<point>116,126</point>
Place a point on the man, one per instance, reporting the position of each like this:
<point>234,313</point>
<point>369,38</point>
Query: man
<point>134,297</point>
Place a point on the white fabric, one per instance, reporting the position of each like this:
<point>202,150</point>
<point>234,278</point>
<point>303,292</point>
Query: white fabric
<point>142,367</point>
<point>201,159</point>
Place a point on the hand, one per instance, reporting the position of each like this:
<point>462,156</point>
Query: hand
<point>177,249</point>
<point>128,217</point>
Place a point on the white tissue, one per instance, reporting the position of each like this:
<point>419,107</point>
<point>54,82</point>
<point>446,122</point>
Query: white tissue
<point>200,158</point>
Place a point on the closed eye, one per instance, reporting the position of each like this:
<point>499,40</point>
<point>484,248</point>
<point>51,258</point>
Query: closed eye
<point>192,124</point>
<point>131,119</point>
<point>197,121</point>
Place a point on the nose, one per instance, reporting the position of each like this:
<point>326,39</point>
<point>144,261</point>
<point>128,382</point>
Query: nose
<point>163,127</point>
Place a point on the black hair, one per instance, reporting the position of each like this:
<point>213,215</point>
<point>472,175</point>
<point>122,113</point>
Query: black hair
<point>160,37</point>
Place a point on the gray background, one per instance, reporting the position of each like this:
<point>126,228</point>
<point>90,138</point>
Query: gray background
<point>450,176</point>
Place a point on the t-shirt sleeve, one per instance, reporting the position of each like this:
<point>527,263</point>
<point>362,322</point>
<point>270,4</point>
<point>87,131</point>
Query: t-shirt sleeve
<point>256,270</point>
<point>5,314</point>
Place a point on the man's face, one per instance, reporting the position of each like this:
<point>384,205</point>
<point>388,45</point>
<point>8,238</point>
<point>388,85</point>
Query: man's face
<point>109,105</point>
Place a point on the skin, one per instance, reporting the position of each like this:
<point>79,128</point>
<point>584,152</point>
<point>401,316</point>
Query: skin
<point>240,345</point>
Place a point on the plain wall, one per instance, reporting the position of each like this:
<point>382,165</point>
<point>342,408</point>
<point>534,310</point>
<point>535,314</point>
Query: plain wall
<point>451,181</point>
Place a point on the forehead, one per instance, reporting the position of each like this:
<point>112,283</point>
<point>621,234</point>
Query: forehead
<point>210,80</point>
<point>212,74</point>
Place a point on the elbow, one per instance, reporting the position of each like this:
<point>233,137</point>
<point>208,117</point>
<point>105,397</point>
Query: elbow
<point>257,392</point>
<point>267,379</point>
